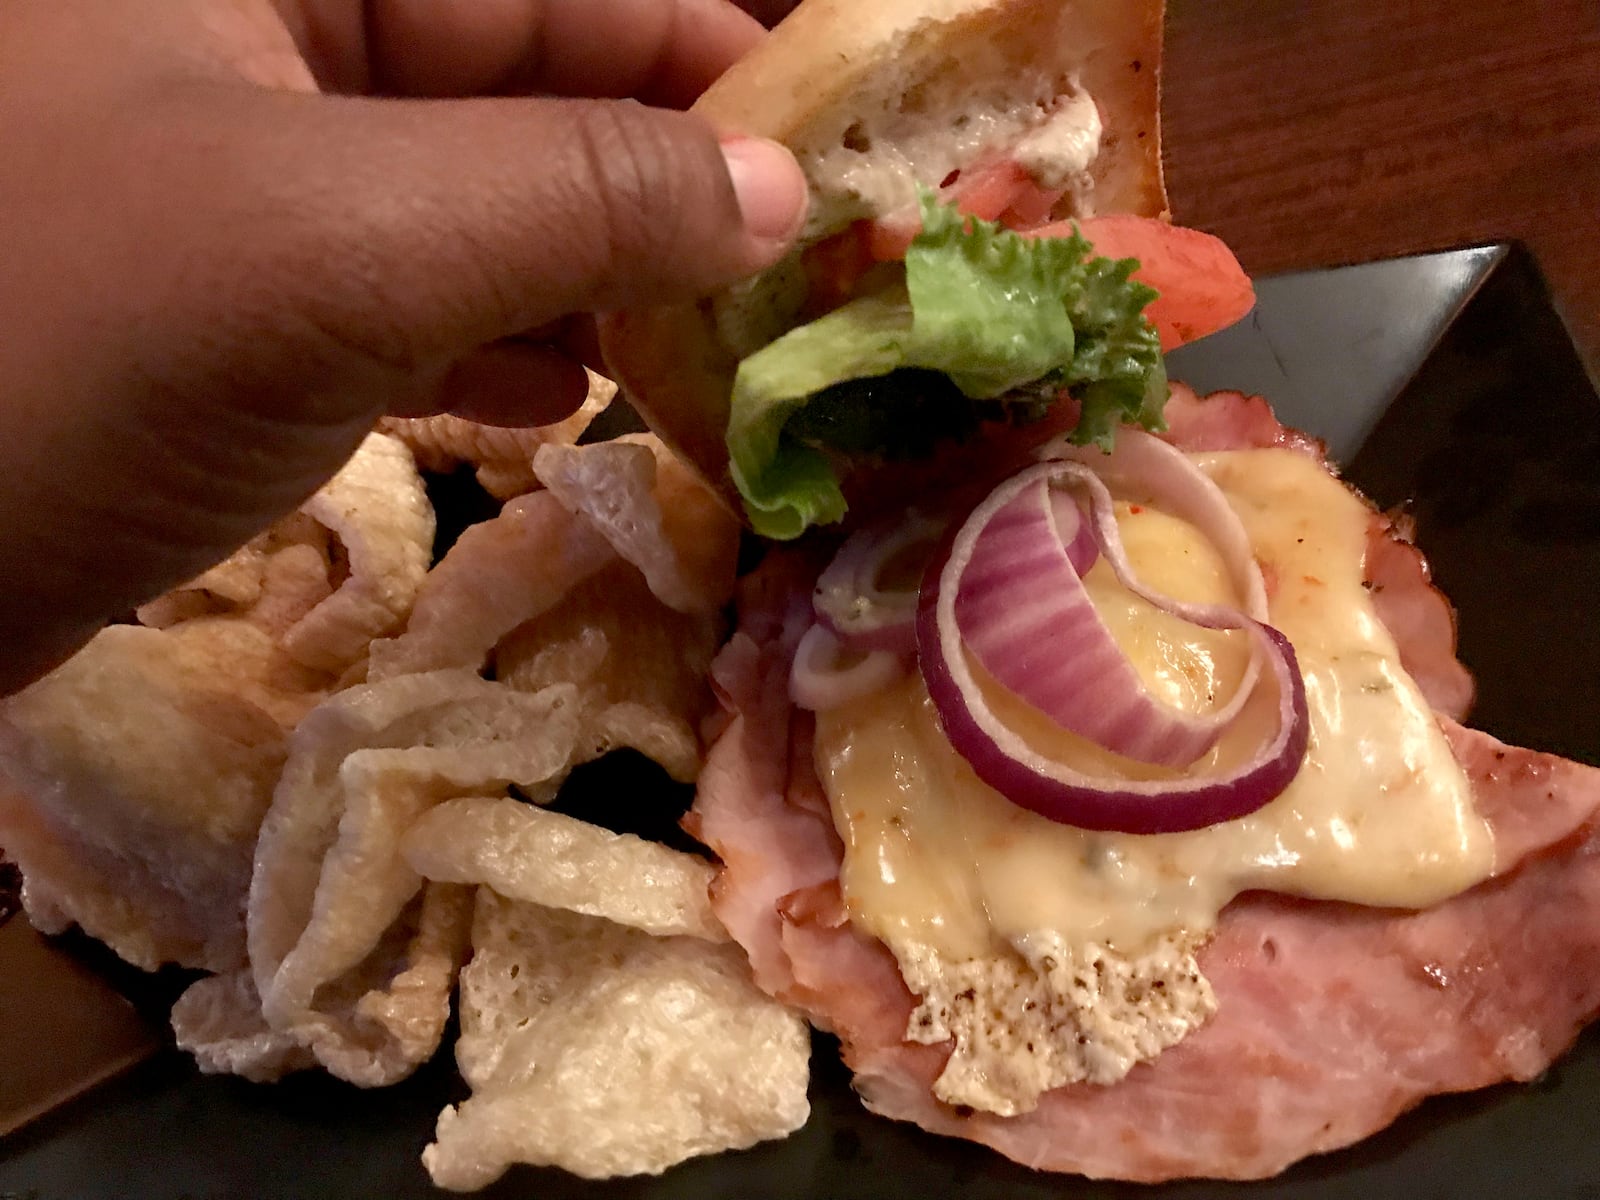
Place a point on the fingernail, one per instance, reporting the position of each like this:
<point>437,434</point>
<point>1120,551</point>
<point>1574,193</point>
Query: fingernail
<point>770,187</point>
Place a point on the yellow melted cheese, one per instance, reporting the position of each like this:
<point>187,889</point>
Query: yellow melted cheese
<point>1380,813</point>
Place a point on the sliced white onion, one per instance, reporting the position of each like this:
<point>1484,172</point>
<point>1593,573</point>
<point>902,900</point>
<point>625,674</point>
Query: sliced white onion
<point>1023,611</point>
<point>1049,787</point>
<point>851,598</point>
<point>826,673</point>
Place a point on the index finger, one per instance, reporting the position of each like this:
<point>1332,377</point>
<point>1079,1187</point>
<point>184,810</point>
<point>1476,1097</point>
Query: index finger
<point>663,52</point>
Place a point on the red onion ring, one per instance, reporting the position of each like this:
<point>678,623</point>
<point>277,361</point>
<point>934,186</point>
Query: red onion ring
<point>1005,762</point>
<point>1023,611</point>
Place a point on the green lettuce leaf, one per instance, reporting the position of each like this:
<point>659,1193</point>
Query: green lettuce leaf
<point>990,310</point>
<point>989,304</point>
<point>789,486</point>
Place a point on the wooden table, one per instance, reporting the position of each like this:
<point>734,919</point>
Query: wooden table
<point>1309,133</point>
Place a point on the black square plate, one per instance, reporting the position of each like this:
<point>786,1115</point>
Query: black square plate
<point>1444,383</point>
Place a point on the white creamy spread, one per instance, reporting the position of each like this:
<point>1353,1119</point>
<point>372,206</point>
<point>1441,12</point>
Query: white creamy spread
<point>946,871</point>
<point>1059,151</point>
<point>875,169</point>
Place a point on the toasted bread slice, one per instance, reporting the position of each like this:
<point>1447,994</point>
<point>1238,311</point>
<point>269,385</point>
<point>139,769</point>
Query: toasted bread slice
<point>875,99</point>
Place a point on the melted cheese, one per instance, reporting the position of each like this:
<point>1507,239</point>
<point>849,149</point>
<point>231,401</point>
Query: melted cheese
<point>1380,813</point>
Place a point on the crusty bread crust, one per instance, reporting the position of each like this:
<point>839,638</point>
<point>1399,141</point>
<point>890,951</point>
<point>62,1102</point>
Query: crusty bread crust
<point>831,59</point>
<point>678,376</point>
<point>830,70</point>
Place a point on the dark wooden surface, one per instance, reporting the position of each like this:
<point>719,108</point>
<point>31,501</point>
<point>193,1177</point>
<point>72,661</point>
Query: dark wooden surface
<point>1310,133</point>
<point>63,1027</point>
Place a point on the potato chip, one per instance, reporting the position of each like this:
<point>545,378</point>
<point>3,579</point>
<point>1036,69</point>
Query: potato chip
<point>604,1051</point>
<point>138,773</point>
<point>156,795</point>
<point>526,853</point>
<point>654,512</point>
<point>328,578</point>
<point>329,882</point>
<point>608,500</point>
<point>640,667</point>
<point>252,578</point>
<point>497,575</point>
<point>376,506</point>
<point>239,657</point>
<point>231,585</point>
<point>412,1006</point>
<point>503,457</point>
<point>374,1024</point>
<point>295,578</point>
<point>218,1020</point>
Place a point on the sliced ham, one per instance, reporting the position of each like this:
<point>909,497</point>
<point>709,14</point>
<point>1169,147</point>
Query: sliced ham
<point>1422,621</point>
<point>1229,421</point>
<point>1333,1019</point>
<point>763,839</point>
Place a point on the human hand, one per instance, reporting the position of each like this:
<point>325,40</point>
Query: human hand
<point>222,256</point>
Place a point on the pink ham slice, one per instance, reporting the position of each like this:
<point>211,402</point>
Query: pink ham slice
<point>1333,1019</point>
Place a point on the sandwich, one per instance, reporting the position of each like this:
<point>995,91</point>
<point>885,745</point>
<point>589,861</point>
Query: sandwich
<point>1094,768</point>
<point>910,318</point>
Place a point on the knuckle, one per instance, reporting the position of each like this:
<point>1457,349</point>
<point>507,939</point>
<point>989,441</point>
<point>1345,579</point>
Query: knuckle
<point>623,154</point>
<point>654,188</point>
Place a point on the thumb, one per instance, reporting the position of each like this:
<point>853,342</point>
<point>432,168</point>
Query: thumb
<point>416,231</point>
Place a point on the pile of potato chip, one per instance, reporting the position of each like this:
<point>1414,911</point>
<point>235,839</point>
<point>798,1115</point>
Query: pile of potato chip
<point>317,772</point>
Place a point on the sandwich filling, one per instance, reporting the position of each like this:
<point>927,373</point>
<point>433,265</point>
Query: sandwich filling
<point>1047,954</point>
<point>979,324</point>
<point>871,171</point>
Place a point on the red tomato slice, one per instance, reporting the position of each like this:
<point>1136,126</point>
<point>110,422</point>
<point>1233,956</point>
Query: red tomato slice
<point>1001,191</point>
<point>1203,288</point>
<point>986,192</point>
<point>1031,207</point>
<point>892,236</point>
<point>835,265</point>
